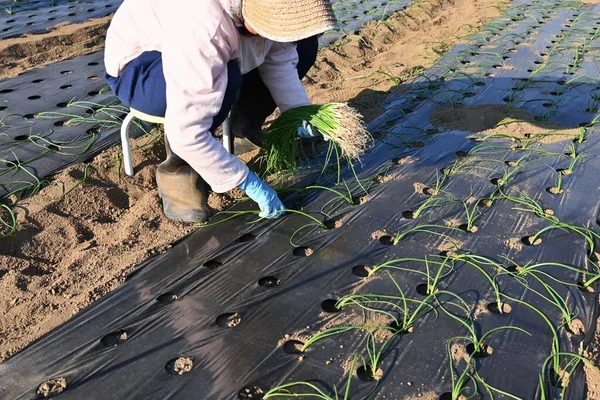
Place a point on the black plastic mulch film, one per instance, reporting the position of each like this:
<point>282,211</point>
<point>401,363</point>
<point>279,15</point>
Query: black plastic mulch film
<point>65,113</point>
<point>21,17</point>
<point>225,313</point>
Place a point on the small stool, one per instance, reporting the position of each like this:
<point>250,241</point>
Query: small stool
<point>127,158</point>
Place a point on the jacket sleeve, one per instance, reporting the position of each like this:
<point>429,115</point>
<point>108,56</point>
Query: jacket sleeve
<point>195,69</point>
<point>280,75</point>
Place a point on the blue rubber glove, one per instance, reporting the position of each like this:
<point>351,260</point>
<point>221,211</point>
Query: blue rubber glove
<point>307,131</point>
<point>267,199</point>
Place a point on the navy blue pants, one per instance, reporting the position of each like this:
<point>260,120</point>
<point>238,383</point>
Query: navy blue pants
<point>142,84</point>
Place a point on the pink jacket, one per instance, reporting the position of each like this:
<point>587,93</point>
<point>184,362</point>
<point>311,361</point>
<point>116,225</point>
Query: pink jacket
<point>197,39</point>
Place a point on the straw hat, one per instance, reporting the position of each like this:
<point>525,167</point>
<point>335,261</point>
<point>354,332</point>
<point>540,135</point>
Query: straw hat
<point>289,20</point>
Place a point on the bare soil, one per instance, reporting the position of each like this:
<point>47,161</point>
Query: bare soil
<point>592,374</point>
<point>180,366</point>
<point>64,42</point>
<point>79,237</point>
<point>68,252</point>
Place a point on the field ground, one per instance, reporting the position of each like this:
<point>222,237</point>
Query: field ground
<point>82,234</point>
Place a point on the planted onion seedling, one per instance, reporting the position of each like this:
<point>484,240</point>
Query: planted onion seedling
<point>525,203</point>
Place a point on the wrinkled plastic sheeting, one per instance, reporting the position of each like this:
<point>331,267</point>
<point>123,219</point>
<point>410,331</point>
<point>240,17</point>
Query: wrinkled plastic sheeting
<point>18,18</point>
<point>53,117</point>
<point>226,296</point>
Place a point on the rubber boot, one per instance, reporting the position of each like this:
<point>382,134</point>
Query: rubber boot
<point>183,192</point>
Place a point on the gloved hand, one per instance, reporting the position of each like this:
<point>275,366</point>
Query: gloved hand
<point>307,131</point>
<point>267,199</point>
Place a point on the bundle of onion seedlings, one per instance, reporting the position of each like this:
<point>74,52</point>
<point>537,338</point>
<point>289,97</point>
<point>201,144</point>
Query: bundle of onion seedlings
<point>341,126</point>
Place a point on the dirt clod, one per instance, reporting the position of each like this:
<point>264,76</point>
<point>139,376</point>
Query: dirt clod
<point>233,320</point>
<point>52,387</point>
<point>251,392</point>
<point>555,190</point>
<point>532,241</point>
<point>499,308</point>
<point>576,327</point>
<point>180,365</point>
<point>303,252</point>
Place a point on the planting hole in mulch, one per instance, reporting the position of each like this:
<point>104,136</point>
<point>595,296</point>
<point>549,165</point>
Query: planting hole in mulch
<point>229,320</point>
<point>424,289</point>
<point>416,145</point>
<point>404,160</point>
<point>114,338</point>
<point>465,228</point>
<point>495,308</point>
<point>585,289</point>
<point>179,366</point>
<point>511,163</point>
<point>386,240</point>
<point>212,264</point>
<point>513,269</point>
<point>268,281</point>
<point>487,203</point>
<point>576,327</point>
<point>429,191</point>
<point>293,347</point>
<point>483,351</point>
<point>365,373</point>
<point>52,387</point>
<point>359,200</point>
<point>462,154</point>
<point>408,214</point>
<point>302,251</point>
<point>554,190</point>
<point>398,329</point>
<point>497,181</point>
<point>251,392</point>
<point>248,237</point>
<point>335,222</point>
<point>548,211</point>
<point>449,254</point>
<point>531,241</point>
<point>166,298</point>
<point>564,171</point>
<point>21,138</point>
<point>330,306</point>
<point>362,271</point>
<point>560,379</point>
